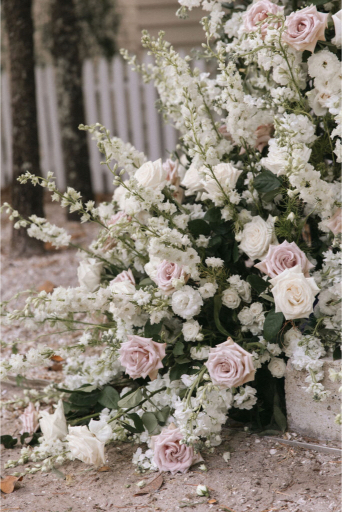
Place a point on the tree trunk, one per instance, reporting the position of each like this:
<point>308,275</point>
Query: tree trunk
<point>27,199</point>
<point>65,50</point>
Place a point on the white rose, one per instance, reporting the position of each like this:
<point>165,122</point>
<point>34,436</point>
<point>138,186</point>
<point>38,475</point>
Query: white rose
<point>191,330</point>
<point>277,367</point>
<point>199,353</point>
<point>245,291</point>
<point>192,181</point>
<point>54,425</point>
<point>230,298</point>
<point>84,446</point>
<point>186,302</point>
<point>89,274</point>
<point>293,293</point>
<point>208,290</point>
<point>257,236</point>
<point>337,19</point>
<point>226,176</point>
<point>152,175</point>
<point>101,429</point>
<point>246,316</point>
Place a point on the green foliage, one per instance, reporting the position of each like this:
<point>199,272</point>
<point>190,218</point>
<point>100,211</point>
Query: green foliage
<point>266,181</point>
<point>272,325</point>
<point>152,330</point>
<point>131,399</point>
<point>8,441</point>
<point>109,397</point>
<point>257,283</point>
<point>199,227</point>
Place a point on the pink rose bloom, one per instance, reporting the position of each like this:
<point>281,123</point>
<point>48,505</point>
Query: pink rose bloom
<point>229,365</point>
<point>142,357</point>
<point>259,12</point>
<point>29,419</point>
<point>304,28</point>
<point>335,222</point>
<point>283,256</point>
<point>263,134</point>
<point>166,271</point>
<point>170,455</point>
<point>126,275</point>
<point>175,173</point>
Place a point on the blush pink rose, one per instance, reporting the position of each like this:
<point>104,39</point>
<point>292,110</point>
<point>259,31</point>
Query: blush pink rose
<point>263,135</point>
<point>259,12</point>
<point>175,174</point>
<point>170,454</point>
<point>142,357</point>
<point>229,365</point>
<point>283,256</point>
<point>115,218</point>
<point>29,419</point>
<point>125,275</point>
<point>166,271</point>
<point>304,28</point>
<point>335,222</point>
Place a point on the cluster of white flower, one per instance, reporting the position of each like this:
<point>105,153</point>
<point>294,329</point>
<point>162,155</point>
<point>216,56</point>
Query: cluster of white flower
<point>213,264</point>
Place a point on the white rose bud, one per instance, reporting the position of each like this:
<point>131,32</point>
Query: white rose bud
<point>54,425</point>
<point>152,175</point>
<point>84,446</point>
<point>277,367</point>
<point>230,298</point>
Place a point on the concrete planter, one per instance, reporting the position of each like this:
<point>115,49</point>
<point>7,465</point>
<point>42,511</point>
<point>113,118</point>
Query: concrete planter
<point>305,416</point>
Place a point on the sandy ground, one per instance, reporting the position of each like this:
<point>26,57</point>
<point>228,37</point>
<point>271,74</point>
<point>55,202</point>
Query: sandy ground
<point>262,475</point>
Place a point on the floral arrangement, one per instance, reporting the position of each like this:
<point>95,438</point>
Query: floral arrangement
<point>211,268</point>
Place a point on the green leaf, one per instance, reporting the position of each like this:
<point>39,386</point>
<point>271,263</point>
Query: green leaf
<point>178,349</point>
<point>131,399</point>
<point>257,283</point>
<point>199,227</point>
<point>223,229</point>
<point>272,325</point>
<point>138,422</point>
<point>280,418</point>
<point>85,400</point>
<point>58,473</point>
<point>215,241</point>
<point>266,181</point>
<point>217,309</point>
<point>213,215</point>
<point>337,353</point>
<point>152,330</point>
<point>24,436</point>
<point>179,369</point>
<point>163,415</point>
<point>109,397</point>
<point>146,282</point>
<point>8,441</point>
<point>128,427</point>
<point>150,421</point>
<point>66,407</point>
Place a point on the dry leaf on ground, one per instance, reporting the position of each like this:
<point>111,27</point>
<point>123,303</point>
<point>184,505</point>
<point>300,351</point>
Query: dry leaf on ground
<point>8,484</point>
<point>103,468</point>
<point>47,287</point>
<point>152,486</point>
<point>58,359</point>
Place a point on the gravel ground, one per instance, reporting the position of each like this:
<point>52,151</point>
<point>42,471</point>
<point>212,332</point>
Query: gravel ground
<point>262,475</point>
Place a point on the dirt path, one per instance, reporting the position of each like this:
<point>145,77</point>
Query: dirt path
<point>261,475</point>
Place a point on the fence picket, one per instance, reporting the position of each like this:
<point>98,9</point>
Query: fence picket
<point>89,92</point>
<point>52,111</point>
<point>135,105</point>
<point>118,85</point>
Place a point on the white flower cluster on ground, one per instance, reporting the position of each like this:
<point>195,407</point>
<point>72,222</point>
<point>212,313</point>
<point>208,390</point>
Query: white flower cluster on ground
<point>211,268</point>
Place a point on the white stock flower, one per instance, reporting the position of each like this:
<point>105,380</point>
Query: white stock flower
<point>85,446</point>
<point>277,367</point>
<point>186,302</point>
<point>293,293</point>
<point>224,181</point>
<point>89,274</point>
<point>214,262</point>
<point>152,175</point>
<point>257,236</point>
<point>208,290</point>
<point>53,426</point>
<point>230,298</point>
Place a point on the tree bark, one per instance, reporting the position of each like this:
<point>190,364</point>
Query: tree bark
<point>27,199</point>
<point>65,51</point>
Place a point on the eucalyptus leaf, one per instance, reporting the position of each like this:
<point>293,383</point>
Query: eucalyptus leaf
<point>272,325</point>
<point>178,349</point>
<point>213,215</point>
<point>266,181</point>
<point>109,397</point>
<point>163,415</point>
<point>150,421</point>
<point>152,330</point>
<point>131,400</point>
<point>138,422</point>
<point>257,283</point>
<point>8,441</point>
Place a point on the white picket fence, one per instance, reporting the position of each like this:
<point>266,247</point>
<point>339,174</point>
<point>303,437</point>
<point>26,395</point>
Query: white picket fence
<point>114,96</point>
